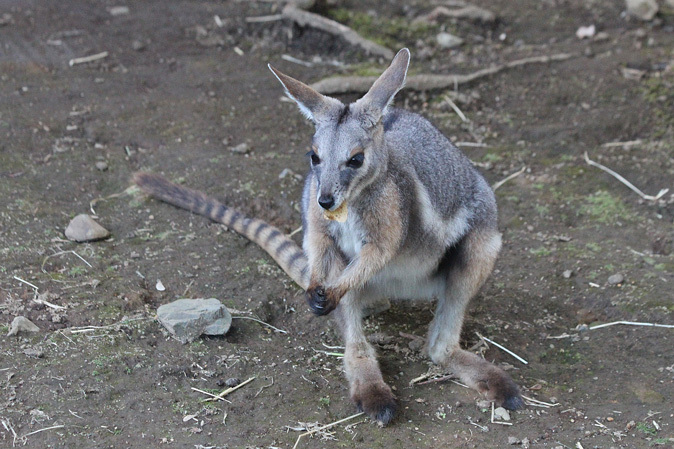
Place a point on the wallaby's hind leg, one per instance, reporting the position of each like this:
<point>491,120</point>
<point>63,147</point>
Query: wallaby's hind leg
<point>368,390</point>
<point>467,267</point>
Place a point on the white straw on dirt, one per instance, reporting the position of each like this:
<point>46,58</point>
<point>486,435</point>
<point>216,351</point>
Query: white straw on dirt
<point>456,109</point>
<point>27,283</point>
<point>625,181</point>
<point>210,394</point>
<point>536,401</point>
<point>261,322</point>
<point>632,323</point>
<point>629,143</point>
<point>508,178</point>
<point>85,59</point>
<point>504,349</point>
<point>325,427</point>
<point>471,144</point>
<point>42,430</point>
<point>229,390</point>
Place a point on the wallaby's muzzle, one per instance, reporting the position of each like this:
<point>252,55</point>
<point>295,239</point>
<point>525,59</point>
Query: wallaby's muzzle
<point>326,201</point>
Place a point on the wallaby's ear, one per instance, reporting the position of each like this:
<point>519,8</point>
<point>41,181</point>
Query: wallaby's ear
<point>373,105</point>
<point>315,106</point>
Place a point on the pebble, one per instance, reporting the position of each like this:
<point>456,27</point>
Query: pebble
<point>642,9</point>
<point>34,352</point>
<point>586,32</point>
<point>501,414</point>
<point>232,382</point>
<point>101,165</point>
<point>187,319</point>
<point>616,279</point>
<point>22,324</point>
<point>242,148</point>
<point>567,274</point>
<point>83,228</point>
<point>446,40</point>
<point>513,440</point>
<point>138,45</point>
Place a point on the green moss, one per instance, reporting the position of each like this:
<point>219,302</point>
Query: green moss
<point>604,208</point>
<point>540,251</point>
<point>391,33</point>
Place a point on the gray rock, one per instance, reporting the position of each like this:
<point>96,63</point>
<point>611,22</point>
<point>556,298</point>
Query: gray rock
<point>22,324</point>
<point>138,45</point>
<point>101,165</point>
<point>232,382</point>
<point>83,228</point>
<point>616,279</point>
<point>242,148</point>
<point>501,414</point>
<point>642,9</point>
<point>187,319</point>
<point>446,40</point>
<point>567,274</point>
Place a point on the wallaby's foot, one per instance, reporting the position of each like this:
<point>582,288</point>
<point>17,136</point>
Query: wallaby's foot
<point>488,379</point>
<point>500,388</point>
<point>376,400</point>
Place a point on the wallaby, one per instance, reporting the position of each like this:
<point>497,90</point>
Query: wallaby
<point>414,219</point>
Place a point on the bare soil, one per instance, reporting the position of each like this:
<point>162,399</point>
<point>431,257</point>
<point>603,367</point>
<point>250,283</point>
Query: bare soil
<point>173,95</point>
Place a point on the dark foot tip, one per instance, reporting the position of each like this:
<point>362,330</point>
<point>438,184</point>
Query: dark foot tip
<point>379,404</point>
<point>513,402</point>
<point>317,301</point>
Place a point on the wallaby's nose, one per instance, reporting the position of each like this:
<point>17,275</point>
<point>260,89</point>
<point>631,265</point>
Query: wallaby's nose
<point>326,201</point>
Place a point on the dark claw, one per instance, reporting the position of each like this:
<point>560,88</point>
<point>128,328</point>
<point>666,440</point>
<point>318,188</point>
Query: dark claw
<point>513,402</point>
<point>318,302</point>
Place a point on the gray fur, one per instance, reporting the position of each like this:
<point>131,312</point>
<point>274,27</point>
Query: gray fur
<point>422,223</point>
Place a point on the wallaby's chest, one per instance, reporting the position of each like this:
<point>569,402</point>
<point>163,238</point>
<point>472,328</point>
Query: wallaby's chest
<point>349,236</point>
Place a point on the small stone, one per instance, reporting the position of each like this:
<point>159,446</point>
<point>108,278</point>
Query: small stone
<point>416,345</point>
<point>567,274</point>
<point>83,228</point>
<point>34,352</point>
<point>616,279</point>
<point>446,40</point>
<point>118,10</point>
<point>138,45</point>
<point>513,440</point>
<point>586,32</point>
<point>232,382</point>
<point>380,338</point>
<point>285,173</point>
<point>242,148</point>
<point>22,324</point>
<point>642,9</point>
<point>159,286</point>
<point>601,36</point>
<point>187,319</point>
<point>501,414</point>
<point>101,165</point>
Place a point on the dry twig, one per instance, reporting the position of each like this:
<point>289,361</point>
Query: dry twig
<point>325,427</point>
<point>503,348</point>
<point>85,59</point>
<point>360,84</point>
<point>229,390</point>
<point>625,181</point>
<point>632,323</point>
<point>306,18</point>
<point>508,178</point>
<point>261,322</point>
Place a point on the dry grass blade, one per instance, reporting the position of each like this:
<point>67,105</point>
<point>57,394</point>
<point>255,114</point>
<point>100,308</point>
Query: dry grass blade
<point>503,348</point>
<point>261,322</point>
<point>632,323</point>
<point>325,427</point>
<point>229,390</point>
<point>625,181</point>
<point>508,178</point>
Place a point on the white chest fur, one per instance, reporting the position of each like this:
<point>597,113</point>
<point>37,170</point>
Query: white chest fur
<point>349,235</point>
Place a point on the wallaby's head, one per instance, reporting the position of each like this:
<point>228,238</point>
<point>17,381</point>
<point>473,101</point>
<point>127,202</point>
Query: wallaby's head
<point>347,152</point>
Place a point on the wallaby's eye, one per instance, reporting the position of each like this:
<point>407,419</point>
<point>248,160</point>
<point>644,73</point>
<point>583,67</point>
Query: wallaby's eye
<point>315,160</point>
<point>356,161</point>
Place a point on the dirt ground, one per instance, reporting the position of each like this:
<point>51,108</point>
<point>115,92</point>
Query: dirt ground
<point>177,91</point>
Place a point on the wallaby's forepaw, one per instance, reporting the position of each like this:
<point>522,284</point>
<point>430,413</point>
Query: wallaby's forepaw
<point>321,301</point>
<point>377,400</point>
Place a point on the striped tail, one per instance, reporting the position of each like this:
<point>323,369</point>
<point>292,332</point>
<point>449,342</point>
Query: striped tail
<point>284,250</point>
